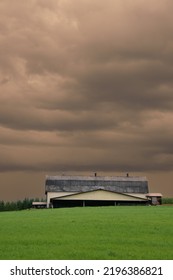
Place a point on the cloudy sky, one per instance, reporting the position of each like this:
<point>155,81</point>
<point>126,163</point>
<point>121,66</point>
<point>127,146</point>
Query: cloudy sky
<point>85,86</point>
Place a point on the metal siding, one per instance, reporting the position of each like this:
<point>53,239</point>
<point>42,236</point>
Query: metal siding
<point>87,185</point>
<point>101,195</point>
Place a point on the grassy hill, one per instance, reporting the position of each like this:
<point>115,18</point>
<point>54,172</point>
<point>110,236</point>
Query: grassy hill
<point>137,232</point>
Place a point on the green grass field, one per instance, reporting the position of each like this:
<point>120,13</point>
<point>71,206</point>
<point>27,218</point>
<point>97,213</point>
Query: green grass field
<point>134,232</point>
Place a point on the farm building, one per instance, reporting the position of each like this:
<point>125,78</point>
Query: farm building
<point>70,191</point>
<point>39,204</point>
<point>154,198</point>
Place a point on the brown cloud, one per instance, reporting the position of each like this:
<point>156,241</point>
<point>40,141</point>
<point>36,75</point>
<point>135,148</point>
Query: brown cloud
<point>86,85</point>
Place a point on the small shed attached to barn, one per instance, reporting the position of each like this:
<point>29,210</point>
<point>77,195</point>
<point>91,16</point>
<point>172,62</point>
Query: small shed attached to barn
<point>154,198</point>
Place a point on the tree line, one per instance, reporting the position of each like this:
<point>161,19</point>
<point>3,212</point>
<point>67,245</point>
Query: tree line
<point>167,200</point>
<point>17,205</point>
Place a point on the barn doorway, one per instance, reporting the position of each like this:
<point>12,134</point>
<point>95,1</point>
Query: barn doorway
<point>81,203</point>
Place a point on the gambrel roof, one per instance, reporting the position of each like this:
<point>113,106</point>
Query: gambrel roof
<point>120,184</point>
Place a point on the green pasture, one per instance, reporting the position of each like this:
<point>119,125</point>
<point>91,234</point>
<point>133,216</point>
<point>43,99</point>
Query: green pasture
<point>122,232</point>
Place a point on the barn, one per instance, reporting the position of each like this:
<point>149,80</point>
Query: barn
<point>73,191</point>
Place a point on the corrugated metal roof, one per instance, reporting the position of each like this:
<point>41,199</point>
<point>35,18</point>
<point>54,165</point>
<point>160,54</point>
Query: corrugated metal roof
<point>122,184</point>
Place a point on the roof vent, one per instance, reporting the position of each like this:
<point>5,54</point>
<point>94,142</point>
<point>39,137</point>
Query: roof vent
<point>95,174</point>
<point>127,174</point>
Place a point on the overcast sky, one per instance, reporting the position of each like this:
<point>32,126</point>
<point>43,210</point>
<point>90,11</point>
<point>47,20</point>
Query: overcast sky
<point>85,86</point>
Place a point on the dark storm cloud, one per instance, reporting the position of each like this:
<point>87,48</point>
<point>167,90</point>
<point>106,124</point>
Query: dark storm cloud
<point>86,85</point>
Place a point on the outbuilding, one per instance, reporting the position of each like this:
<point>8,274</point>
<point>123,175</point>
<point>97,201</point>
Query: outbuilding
<point>39,204</point>
<point>71,191</point>
<point>154,198</point>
